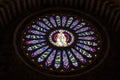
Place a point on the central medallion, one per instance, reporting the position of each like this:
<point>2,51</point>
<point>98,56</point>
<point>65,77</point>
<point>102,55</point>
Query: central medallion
<point>61,38</point>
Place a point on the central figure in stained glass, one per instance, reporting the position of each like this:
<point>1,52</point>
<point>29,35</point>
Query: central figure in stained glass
<point>61,38</point>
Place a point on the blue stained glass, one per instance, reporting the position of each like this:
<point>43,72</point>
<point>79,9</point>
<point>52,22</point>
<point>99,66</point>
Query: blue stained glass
<point>69,21</point>
<point>79,26</point>
<point>83,29</point>
<point>36,32</point>
<point>72,58</point>
<point>83,52</point>
<point>47,22</point>
<point>79,56</point>
<point>44,55</point>
<point>51,42</point>
<point>39,28</point>
<point>86,33</point>
<point>39,51</point>
<point>86,47</point>
<point>50,58</point>
<point>33,41</point>
<point>36,46</point>
<point>58,59</point>
<point>74,23</point>
<point>34,37</point>
<point>65,60</point>
<point>87,38</point>
<point>52,20</point>
<point>58,20</point>
<point>41,24</point>
<point>88,43</point>
<point>64,19</point>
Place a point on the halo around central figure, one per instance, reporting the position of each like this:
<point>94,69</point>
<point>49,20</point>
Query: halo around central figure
<point>61,38</point>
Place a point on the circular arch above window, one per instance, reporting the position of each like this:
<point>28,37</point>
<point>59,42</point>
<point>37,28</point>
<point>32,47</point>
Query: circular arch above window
<point>61,42</point>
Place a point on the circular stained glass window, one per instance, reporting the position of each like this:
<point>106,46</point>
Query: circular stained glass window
<point>61,43</point>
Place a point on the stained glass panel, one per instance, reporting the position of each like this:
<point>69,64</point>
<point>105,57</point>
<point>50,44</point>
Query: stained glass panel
<point>61,43</point>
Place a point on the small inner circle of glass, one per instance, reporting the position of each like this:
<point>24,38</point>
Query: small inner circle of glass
<point>61,38</point>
